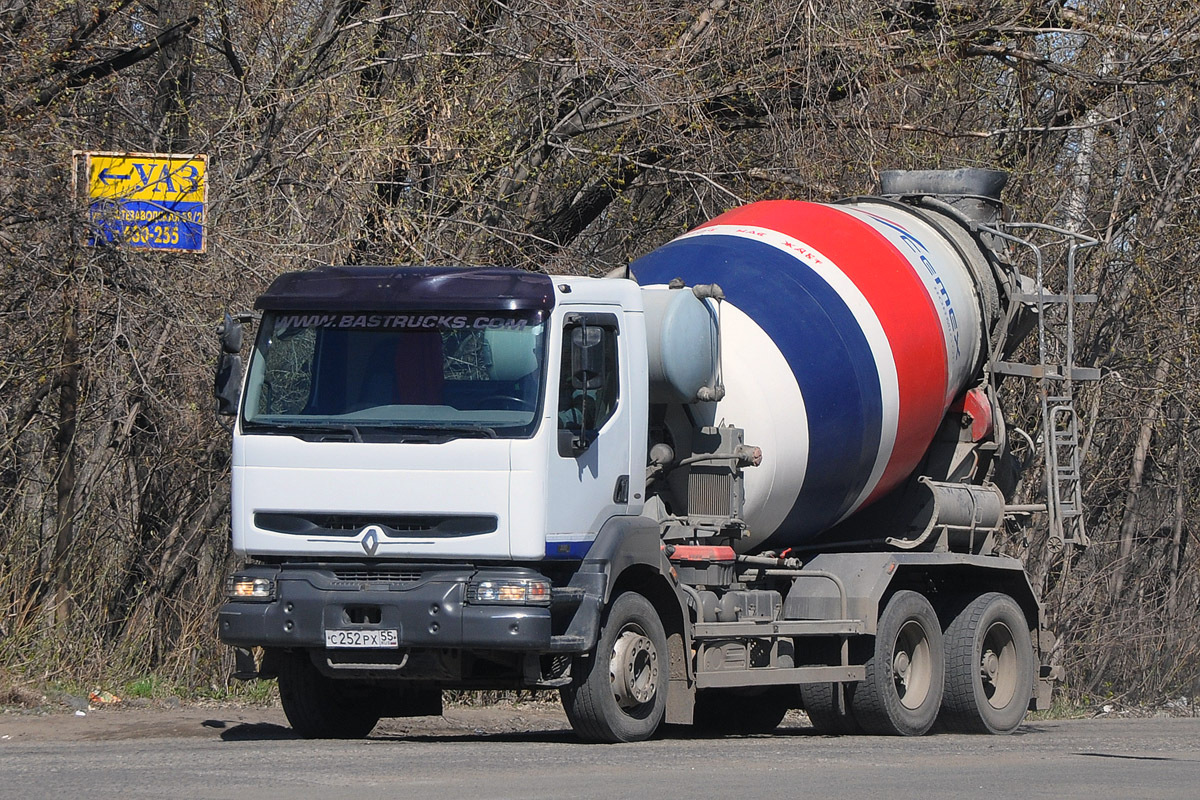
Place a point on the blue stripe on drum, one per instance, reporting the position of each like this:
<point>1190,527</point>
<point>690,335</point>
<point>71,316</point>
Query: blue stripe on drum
<point>821,340</point>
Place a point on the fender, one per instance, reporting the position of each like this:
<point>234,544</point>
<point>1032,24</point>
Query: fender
<point>628,553</point>
<point>622,543</point>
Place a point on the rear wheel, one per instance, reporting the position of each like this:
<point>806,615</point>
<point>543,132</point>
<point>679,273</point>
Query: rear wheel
<point>989,667</point>
<point>902,692</point>
<point>620,693</point>
<point>828,707</point>
<point>319,707</point>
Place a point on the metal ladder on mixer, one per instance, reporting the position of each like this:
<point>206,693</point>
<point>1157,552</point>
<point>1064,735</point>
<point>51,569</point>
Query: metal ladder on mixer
<point>1056,373</point>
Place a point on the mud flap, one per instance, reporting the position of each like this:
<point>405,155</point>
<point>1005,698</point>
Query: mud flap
<point>245,667</point>
<point>681,702</point>
<point>1048,674</point>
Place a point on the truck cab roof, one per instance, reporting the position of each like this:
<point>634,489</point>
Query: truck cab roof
<point>382,288</point>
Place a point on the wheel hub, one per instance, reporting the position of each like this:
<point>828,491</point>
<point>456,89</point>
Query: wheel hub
<point>633,669</point>
<point>912,665</point>
<point>991,665</point>
<point>999,665</point>
<point>901,665</point>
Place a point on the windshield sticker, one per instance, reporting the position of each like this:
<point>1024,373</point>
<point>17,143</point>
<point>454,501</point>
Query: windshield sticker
<point>391,322</point>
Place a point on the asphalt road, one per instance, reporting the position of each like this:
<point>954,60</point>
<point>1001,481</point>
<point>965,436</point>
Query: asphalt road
<point>527,753</point>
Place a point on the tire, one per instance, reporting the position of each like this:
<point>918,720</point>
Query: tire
<point>827,715</point>
<point>319,707</point>
<point>902,692</point>
<point>989,667</point>
<point>620,693</point>
<point>722,711</point>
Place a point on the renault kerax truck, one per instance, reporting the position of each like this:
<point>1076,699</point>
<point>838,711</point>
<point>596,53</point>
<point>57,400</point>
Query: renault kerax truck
<point>764,467</point>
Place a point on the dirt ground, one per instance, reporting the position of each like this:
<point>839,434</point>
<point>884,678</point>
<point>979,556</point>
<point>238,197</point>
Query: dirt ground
<point>123,721</point>
<point>26,716</point>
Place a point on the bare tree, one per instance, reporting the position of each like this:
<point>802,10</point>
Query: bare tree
<point>553,136</point>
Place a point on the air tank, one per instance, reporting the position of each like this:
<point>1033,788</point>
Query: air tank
<point>847,331</point>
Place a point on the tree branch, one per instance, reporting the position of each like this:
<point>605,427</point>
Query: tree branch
<point>107,66</point>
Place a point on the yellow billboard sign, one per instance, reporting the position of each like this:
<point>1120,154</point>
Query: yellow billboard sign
<point>149,200</point>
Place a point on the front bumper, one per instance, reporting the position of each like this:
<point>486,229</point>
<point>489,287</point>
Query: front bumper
<point>426,607</point>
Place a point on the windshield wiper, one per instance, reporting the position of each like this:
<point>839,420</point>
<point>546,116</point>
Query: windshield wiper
<point>477,430</point>
<point>310,429</point>
<point>426,432</point>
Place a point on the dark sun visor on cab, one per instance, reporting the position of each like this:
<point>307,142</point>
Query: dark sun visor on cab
<point>411,288</point>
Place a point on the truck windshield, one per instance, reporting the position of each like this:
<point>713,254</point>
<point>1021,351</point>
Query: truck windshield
<point>382,376</point>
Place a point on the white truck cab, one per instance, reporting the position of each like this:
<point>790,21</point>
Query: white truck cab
<point>422,462</point>
<point>378,425</point>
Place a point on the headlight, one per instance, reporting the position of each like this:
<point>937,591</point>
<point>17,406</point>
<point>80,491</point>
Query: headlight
<point>248,587</point>
<point>509,591</point>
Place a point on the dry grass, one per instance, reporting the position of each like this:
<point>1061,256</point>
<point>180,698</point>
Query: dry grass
<point>16,693</point>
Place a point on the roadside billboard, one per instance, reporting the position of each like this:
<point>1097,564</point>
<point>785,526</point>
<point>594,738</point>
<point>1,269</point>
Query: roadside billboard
<point>148,200</point>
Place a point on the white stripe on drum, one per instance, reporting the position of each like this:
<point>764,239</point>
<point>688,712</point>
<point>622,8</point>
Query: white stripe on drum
<point>868,322</point>
<point>763,399</point>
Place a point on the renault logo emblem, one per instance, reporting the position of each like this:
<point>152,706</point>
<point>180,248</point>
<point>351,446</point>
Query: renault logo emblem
<point>370,539</point>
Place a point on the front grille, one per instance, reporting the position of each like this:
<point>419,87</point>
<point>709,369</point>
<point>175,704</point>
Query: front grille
<point>393,526</point>
<point>369,575</point>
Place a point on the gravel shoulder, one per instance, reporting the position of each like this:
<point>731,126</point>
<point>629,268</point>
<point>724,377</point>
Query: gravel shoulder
<point>122,722</point>
<point>84,722</point>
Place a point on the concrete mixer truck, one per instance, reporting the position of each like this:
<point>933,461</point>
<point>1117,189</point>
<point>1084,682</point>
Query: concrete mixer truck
<point>763,468</point>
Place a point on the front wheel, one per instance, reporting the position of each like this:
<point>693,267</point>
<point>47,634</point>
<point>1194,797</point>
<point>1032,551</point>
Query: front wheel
<point>319,707</point>
<point>989,667</point>
<point>619,694</point>
<point>902,692</point>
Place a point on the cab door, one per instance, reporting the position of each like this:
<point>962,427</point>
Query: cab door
<point>590,465</point>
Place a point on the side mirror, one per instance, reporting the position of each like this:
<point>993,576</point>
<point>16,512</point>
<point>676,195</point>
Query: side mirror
<point>587,358</point>
<point>227,385</point>
<point>230,333</point>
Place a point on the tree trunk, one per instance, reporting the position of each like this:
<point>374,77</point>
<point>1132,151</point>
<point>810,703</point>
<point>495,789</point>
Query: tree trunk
<point>174,94</point>
<point>1175,556</point>
<point>64,447</point>
<point>1141,451</point>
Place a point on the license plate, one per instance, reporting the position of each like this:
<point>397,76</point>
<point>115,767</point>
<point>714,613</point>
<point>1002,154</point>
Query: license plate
<point>388,638</point>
